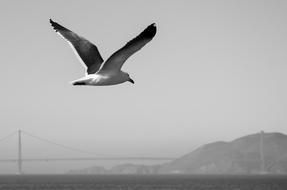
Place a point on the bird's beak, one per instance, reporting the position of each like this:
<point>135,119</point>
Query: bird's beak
<point>131,80</point>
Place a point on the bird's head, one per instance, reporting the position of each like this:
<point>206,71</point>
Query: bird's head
<point>128,78</point>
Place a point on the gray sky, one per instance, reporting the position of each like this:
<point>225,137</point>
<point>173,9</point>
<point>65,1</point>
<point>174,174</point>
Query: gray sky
<point>216,70</point>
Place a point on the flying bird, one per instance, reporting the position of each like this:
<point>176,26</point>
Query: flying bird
<point>98,71</point>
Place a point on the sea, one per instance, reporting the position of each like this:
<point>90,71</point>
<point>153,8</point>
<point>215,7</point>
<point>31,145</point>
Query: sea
<point>142,182</point>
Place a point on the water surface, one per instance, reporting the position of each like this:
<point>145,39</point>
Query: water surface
<point>142,182</point>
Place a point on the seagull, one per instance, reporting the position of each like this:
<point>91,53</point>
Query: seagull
<point>98,72</point>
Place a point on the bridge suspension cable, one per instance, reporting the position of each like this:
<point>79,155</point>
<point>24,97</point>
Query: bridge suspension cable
<point>7,136</point>
<point>20,160</point>
<point>57,144</point>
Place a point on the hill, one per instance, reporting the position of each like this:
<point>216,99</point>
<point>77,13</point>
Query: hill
<point>261,153</point>
<point>252,154</point>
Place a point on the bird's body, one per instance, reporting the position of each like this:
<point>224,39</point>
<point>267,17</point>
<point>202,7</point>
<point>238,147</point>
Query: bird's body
<point>100,73</point>
<point>103,79</point>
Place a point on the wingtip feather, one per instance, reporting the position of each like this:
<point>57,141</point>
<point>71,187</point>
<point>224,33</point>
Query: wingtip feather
<point>56,26</point>
<point>51,22</point>
<point>150,31</point>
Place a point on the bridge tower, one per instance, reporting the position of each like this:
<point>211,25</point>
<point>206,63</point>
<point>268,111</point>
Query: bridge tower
<point>19,153</point>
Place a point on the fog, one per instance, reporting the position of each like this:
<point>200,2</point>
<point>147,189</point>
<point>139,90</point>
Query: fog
<point>216,70</point>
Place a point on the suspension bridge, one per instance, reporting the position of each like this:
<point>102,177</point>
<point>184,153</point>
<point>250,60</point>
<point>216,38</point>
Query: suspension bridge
<point>20,160</point>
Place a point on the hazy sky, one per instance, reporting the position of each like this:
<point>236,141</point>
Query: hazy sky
<point>216,70</point>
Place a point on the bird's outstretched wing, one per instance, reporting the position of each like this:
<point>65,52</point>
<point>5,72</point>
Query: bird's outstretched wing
<point>87,52</point>
<point>117,59</point>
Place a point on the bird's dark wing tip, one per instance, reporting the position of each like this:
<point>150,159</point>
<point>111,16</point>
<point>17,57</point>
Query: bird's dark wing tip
<point>150,31</point>
<point>51,22</point>
<point>56,26</point>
